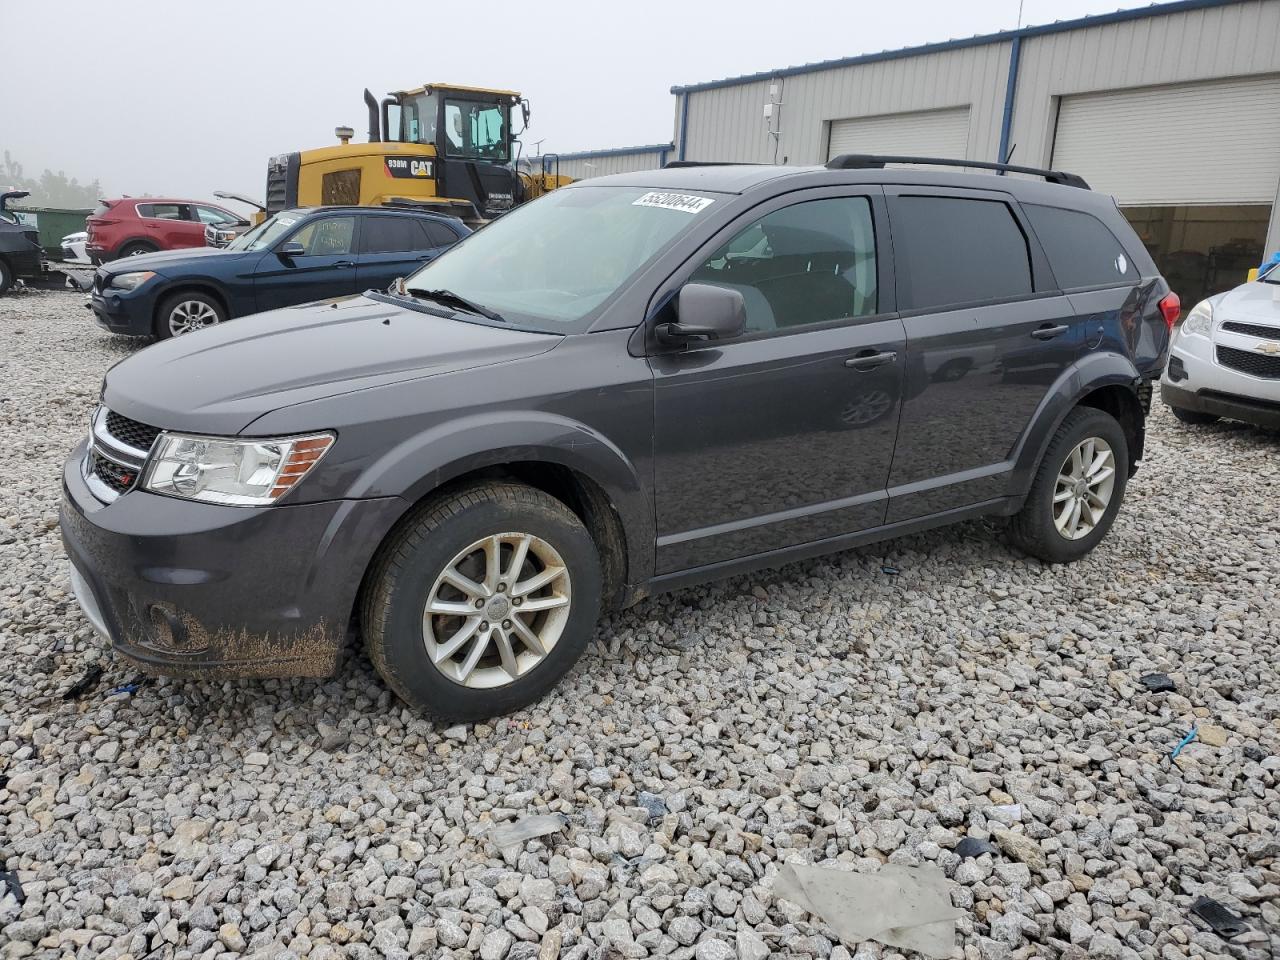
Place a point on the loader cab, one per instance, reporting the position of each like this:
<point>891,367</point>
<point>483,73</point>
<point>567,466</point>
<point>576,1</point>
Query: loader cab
<point>473,131</point>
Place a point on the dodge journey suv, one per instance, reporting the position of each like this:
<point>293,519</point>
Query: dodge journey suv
<point>633,384</point>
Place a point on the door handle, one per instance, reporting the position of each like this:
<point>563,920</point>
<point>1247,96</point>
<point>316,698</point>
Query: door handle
<point>1049,331</point>
<point>869,361</point>
<point>343,264</point>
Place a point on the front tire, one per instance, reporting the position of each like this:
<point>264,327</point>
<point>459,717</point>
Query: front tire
<point>1077,490</point>
<point>6,277</point>
<point>481,601</point>
<point>185,312</point>
<point>136,249</point>
<point>1193,417</point>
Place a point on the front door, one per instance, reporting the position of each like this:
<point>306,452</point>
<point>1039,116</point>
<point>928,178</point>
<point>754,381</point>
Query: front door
<point>988,334</point>
<point>785,435</point>
<point>325,268</point>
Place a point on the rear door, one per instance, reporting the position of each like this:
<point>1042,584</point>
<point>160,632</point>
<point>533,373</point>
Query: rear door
<point>987,335</point>
<point>390,246</point>
<point>784,435</point>
<point>171,226</point>
<point>325,268</point>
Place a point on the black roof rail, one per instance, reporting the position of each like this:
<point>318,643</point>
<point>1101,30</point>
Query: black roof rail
<point>869,161</point>
<point>710,163</point>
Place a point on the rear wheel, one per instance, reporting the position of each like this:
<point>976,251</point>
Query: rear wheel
<point>6,277</point>
<point>1194,417</point>
<point>1077,490</point>
<point>187,311</point>
<point>482,601</point>
<point>136,249</point>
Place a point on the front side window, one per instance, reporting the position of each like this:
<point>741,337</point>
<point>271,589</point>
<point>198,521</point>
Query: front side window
<point>549,264</point>
<point>809,263</point>
<point>958,250</point>
<point>328,237</point>
<point>215,216</point>
<point>1081,250</point>
<point>475,130</point>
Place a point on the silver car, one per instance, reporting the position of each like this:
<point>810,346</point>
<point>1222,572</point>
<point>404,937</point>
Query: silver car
<point>1225,357</point>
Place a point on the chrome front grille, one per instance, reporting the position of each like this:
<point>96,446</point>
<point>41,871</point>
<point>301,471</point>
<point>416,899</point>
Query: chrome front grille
<point>118,449</point>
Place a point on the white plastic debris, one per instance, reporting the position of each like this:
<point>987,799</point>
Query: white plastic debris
<point>905,907</point>
<point>526,828</point>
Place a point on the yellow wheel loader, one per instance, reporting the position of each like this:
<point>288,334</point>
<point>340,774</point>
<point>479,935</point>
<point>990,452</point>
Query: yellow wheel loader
<point>449,148</point>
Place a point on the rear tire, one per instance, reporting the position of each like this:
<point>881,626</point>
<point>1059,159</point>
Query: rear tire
<point>1073,476</point>
<point>136,249</point>
<point>185,312</point>
<point>488,653</point>
<point>1194,417</point>
<point>6,277</point>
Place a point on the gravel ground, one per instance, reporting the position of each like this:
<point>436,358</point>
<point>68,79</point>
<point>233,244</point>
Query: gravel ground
<point>873,707</point>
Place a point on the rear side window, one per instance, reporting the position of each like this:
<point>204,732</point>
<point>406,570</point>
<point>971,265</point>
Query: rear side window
<point>1082,251</point>
<point>953,250</point>
<point>438,235</point>
<point>390,235</point>
<point>164,211</point>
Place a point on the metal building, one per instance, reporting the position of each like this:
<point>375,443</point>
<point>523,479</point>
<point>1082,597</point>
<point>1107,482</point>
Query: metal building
<point>1172,108</point>
<point>599,163</point>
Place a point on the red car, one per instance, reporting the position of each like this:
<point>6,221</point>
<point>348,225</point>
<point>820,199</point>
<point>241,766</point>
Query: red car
<point>130,226</point>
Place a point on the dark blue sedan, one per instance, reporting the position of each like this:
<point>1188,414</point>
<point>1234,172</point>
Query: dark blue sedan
<point>296,256</point>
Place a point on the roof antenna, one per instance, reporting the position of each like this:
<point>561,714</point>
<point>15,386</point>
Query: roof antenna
<point>1009,156</point>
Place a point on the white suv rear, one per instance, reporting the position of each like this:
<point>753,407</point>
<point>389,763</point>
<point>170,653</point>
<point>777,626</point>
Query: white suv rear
<point>1225,357</point>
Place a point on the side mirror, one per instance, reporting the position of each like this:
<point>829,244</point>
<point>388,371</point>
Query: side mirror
<point>705,312</point>
<point>291,249</point>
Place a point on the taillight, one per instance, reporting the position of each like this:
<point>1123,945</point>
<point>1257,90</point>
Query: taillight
<point>1171,307</point>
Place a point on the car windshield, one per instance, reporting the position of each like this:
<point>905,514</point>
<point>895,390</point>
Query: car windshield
<point>551,263</point>
<point>266,233</point>
<point>1270,273</point>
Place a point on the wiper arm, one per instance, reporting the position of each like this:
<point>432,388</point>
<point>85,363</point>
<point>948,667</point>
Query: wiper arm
<point>448,296</point>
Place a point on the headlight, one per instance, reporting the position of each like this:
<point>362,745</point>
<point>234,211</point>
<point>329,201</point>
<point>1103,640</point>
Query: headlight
<point>128,281</point>
<point>242,473</point>
<point>1199,321</point>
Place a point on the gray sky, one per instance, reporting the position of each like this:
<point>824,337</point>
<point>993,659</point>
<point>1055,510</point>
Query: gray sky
<point>184,97</point>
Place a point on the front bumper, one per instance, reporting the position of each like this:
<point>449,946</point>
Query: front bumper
<point>212,592</point>
<point>1231,406</point>
<point>128,313</point>
<point>1194,380</point>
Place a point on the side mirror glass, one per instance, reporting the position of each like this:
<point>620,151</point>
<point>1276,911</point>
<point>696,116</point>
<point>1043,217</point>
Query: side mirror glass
<point>291,249</point>
<point>705,312</point>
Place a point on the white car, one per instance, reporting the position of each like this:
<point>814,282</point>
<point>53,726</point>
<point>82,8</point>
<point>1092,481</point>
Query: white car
<point>73,247</point>
<point>1225,358</point>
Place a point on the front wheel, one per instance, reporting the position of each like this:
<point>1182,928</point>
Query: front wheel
<point>187,311</point>
<point>1077,490</point>
<point>6,277</point>
<point>482,601</point>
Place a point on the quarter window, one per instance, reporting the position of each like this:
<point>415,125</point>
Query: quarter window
<point>804,264</point>
<point>390,235</point>
<point>1081,250</point>
<point>326,238</point>
<point>952,250</point>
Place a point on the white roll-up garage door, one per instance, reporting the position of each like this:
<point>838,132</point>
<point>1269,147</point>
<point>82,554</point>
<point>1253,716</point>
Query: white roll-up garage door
<point>929,133</point>
<point>1214,142</point>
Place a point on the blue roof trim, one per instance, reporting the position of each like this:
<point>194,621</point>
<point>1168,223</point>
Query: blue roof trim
<point>617,151</point>
<point>1097,20</point>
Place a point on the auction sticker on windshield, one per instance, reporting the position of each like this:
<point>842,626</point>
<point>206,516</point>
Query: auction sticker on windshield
<point>684,202</point>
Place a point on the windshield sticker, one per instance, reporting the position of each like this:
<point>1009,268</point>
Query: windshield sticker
<point>684,202</point>
<point>286,221</point>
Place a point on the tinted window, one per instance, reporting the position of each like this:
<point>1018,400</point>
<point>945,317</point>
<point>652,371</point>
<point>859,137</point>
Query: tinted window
<point>163,211</point>
<point>953,250</point>
<point>804,264</point>
<point>438,234</point>
<point>1082,251</point>
<point>326,238</point>
<point>390,235</point>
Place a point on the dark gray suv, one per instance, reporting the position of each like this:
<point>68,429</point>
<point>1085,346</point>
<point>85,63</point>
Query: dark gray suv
<point>633,384</point>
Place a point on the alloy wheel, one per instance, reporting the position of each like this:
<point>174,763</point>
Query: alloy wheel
<point>1086,482</point>
<point>191,315</point>
<point>497,610</point>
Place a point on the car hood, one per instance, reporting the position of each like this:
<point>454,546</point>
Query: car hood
<point>165,260</point>
<point>1256,300</point>
<point>221,379</point>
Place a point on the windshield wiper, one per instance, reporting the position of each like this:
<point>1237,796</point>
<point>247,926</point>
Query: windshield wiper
<point>449,297</point>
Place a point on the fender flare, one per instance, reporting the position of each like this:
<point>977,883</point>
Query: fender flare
<point>1086,375</point>
<point>427,461</point>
